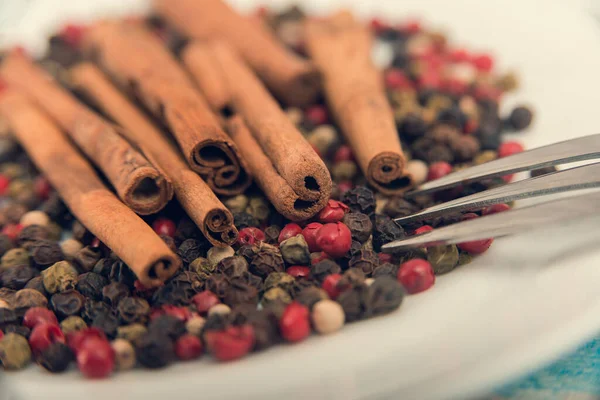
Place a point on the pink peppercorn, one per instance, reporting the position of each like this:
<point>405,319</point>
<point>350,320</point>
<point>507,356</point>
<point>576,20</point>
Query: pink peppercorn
<point>318,257</point>
<point>509,148</point>
<point>204,301</point>
<point>483,62</point>
<point>438,170</point>
<point>395,79</point>
<point>423,229</point>
<point>334,211</point>
<point>496,208</point>
<point>334,239</point>
<point>310,235</point>
<point>250,235</point>
<point>181,313</point>
<point>298,271</point>
<point>475,246</point>
<point>4,183</point>
<point>294,324</point>
<point>72,34</point>
<point>288,231</point>
<point>231,343</point>
<point>416,276</point>
<point>343,153</point>
<point>164,226</point>
<point>42,187</point>
<point>330,285</point>
<point>96,358</point>
<point>188,347</point>
<point>43,335</point>
<point>77,338</point>
<point>317,115</point>
<point>12,231</point>
<point>385,258</point>
<point>38,315</point>
<point>459,55</point>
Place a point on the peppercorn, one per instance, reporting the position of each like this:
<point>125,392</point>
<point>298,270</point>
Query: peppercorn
<point>398,207</point>
<point>202,267</point>
<point>360,199</point>
<point>416,276</point>
<point>131,332</point>
<point>298,271</point>
<point>31,234</point>
<point>322,269</point>
<point>91,285</point>
<point>237,204</point>
<point>13,213</point>
<point>327,316</point>
<point>295,251</point>
<point>364,260</point>
<point>103,267</point>
<point>56,358</point>
<point>5,244</point>
<point>310,235</point>
<point>272,234</point>
<point>114,292</point>
<point>120,272</point>
<point>275,295</point>
<point>443,259</point>
<point>221,309</point>
<point>92,309</point>
<point>154,350</point>
<point>265,262</point>
<point>323,138</point>
<point>68,303</point>
<point>240,292</point>
<point>173,293</point>
<point>386,269</point>
<point>34,218</point>
<point>281,280</point>
<point>412,127</point>
<point>43,335</point>
<point>37,284</point>
<point>44,253</point>
<point>350,278</point>
<point>258,207</point>
<point>344,171</point>
<point>167,325</point>
<point>95,358</point>
<point>310,296</point>
<point>465,147</point>
<point>385,231</point>
<point>7,317</point>
<point>14,351</point>
<point>124,354</point>
<point>77,338</point>
<point>520,118</point>
<point>19,330</point>
<point>72,324</point>
<point>107,322</point>
<point>133,309</point>
<point>14,257</point>
<point>334,238</point>
<point>295,323</point>
<point>194,325</point>
<point>56,209</point>
<point>59,277</point>
<point>16,277</point>
<point>384,295</point>
<point>352,303</point>
<point>191,249</point>
<point>245,220</point>
<point>218,284</point>
<point>230,343</point>
<point>216,254</point>
<point>188,281</point>
<point>86,258</point>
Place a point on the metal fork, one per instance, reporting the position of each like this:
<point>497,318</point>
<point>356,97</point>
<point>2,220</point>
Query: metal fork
<point>519,219</point>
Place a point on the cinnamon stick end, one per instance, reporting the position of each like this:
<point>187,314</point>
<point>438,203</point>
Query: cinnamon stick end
<point>149,192</point>
<point>386,172</point>
<point>155,274</point>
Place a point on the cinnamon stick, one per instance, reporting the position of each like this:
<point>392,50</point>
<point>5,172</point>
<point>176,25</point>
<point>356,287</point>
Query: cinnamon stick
<point>198,200</point>
<point>137,61</point>
<point>284,164</point>
<point>89,200</point>
<point>341,48</point>
<point>139,184</point>
<point>292,79</point>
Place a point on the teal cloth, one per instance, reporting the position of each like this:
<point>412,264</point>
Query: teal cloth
<point>575,376</point>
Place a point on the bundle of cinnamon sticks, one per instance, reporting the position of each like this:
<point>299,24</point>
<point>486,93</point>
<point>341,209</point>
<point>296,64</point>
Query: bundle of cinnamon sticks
<point>199,126</point>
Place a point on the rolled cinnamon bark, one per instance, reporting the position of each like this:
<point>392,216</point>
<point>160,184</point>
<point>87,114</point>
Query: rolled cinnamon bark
<point>139,184</point>
<point>136,59</point>
<point>198,200</point>
<point>290,155</point>
<point>292,79</point>
<point>341,48</point>
<point>89,200</point>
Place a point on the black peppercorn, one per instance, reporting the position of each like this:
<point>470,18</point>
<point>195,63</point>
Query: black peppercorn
<point>92,309</point>
<point>44,253</point>
<point>352,277</point>
<point>218,284</point>
<point>365,260</point>
<point>452,116</point>
<point>67,303</point>
<point>247,251</point>
<point>233,267</point>
<point>311,295</point>
<point>17,277</point>
<point>385,294</point>
<point>520,118</point>
<point>322,269</point>
<point>5,244</point>
<point>252,280</point>
<point>243,220</point>
<point>360,199</point>
<point>191,249</point>
<point>272,234</point>
<point>265,262</point>
<point>386,269</point>
<point>167,325</point>
<point>154,350</point>
<point>170,242</point>
<point>114,292</point>
<point>103,267</point>
<point>360,226</point>
<point>178,294</point>
<point>266,327</point>
<point>30,235</point>
<point>56,209</point>
<point>80,233</point>
<point>18,329</point>
<point>86,258</point>
<point>107,322</point>
<point>352,302</point>
<point>215,322</point>
<point>8,317</point>
<point>133,309</point>
<point>240,293</point>
<point>91,284</point>
<point>385,231</point>
<point>120,272</point>
<point>412,127</point>
<point>420,147</point>
<point>188,281</point>
<point>56,358</point>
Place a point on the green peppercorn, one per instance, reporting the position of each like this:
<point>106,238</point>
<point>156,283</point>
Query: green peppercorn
<point>275,295</point>
<point>202,267</point>
<point>295,251</point>
<point>485,156</point>
<point>443,259</point>
<point>278,279</point>
<point>237,203</point>
<point>72,324</point>
<point>27,298</point>
<point>216,254</point>
<point>344,171</point>
<point>14,257</point>
<point>323,138</point>
<point>60,277</point>
<point>14,351</point>
<point>258,207</point>
<point>131,332</point>
<point>464,258</point>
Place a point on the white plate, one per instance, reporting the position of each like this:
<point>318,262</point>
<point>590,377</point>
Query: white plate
<point>525,302</point>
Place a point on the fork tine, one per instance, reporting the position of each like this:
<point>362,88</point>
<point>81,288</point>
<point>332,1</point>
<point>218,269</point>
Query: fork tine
<point>584,148</point>
<point>506,223</point>
<point>583,177</point>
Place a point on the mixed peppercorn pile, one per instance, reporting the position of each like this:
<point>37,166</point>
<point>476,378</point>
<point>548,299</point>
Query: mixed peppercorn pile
<point>66,299</point>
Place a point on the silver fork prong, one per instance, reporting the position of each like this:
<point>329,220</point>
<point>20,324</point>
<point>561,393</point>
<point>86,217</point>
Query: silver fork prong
<point>505,223</point>
<point>587,176</point>
<point>584,148</point>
